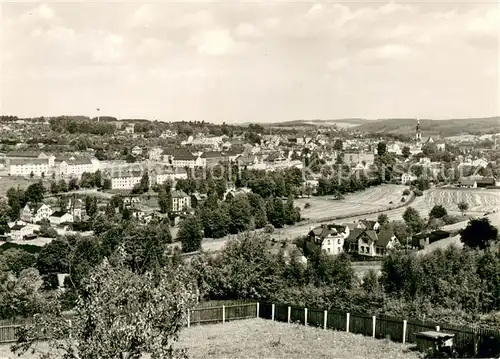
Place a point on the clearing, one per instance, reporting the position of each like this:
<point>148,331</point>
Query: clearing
<point>371,199</point>
<point>7,182</point>
<point>259,338</point>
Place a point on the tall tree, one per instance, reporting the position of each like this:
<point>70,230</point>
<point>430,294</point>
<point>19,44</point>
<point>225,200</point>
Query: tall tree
<point>381,148</point>
<point>438,211</point>
<point>479,233</point>
<point>190,234</point>
<point>34,193</point>
<point>413,220</point>
<point>463,207</point>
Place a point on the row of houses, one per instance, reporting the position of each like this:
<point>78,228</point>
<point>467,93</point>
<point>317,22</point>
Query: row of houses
<point>364,238</point>
<point>40,164</point>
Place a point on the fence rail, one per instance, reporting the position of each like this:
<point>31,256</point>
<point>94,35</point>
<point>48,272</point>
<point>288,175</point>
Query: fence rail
<point>468,340</point>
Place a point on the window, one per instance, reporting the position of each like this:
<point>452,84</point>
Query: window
<point>368,250</point>
<point>328,249</point>
<point>338,241</point>
<point>328,243</point>
<point>362,249</point>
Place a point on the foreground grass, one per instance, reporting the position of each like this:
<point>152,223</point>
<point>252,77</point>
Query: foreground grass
<point>264,339</point>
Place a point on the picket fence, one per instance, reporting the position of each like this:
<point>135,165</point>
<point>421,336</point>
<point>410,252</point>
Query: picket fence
<point>468,340</point>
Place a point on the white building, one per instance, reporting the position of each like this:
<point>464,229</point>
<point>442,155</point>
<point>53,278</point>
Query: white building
<point>136,151</point>
<point>35,212</point>
<point>75,168</point>
<point>407,178</point>
<point>184,160</point>
<point>19,230</point>
<point>26,167</point>
<point>180,201</point>
<point>59,217</point>
<point>179,173</point>
<point>124,181</point>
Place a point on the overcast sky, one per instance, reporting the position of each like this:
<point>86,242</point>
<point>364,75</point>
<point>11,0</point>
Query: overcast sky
<point>250,61</point>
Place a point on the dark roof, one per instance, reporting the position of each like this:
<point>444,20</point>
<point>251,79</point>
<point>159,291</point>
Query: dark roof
<point>355,234</point>
<point>30,161</point>
<point>184,156</point>
<point>17,227</point>
<point>368,224</point>
<point>24,154</point>
<point>212,154</point>
<point>58,214</point>
<point>384,237</point>
<point>179,194</point>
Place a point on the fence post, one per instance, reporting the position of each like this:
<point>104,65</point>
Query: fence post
<point>272,312</point>
<point>258,309</point>
<point>437,328</point>
<point>325,318</point>
<point>289,314</point>
<point>374,321</point>
<point>405,323</point>
<point>305,316</point>
<point>189,318</point>
<point>347,322</point>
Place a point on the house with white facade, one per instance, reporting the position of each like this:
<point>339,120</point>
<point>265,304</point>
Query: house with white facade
<point>35,212</point>
<point>20,230</point>
<point>27,167</point>
<point>184,159</point>
<point>125,181</point>
<point>407,178</point>
<point>331,237</point>
<point>60,217</point>
<point>76,167</point>
<point>180,201</point>
<point>136,151</point>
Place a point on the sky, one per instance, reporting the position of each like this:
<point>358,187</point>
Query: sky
<point>248,61</point>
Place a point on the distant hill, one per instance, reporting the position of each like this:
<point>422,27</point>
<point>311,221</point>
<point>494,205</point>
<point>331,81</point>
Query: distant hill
<point>403,126</point>
<point>406,126</point>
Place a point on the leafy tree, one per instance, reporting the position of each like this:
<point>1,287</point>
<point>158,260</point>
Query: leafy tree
<point>438,211</point>
<point>406,152</point>
<point>106,183</point>
<point>16,260</point>
<point>276,212</point>
<point>413,220</point>
<point>165,198</point>
<point>381,148</point>
<point>382,219</point>
<point>16,200</point>
<point>338,145</point>
<point>73,184</point>
<point>479,233</point>
<point>120,314</point>
<point>22,295</point>
<point>292,214</point>
<point>258,209</point>
<point>32,174</point>
<point>101,224</point>
<point>463,207</point>
<point>63,187</point>
<point>216,221</point>
<point>91,206</point>
<point>190,234</point>
<point>54,188</point>
<point>240,214</point>
<point>110,211</point>
<point>54,257</point>
<point>34,193</point>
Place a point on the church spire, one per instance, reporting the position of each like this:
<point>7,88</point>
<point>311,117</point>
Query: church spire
<point>418,133</point>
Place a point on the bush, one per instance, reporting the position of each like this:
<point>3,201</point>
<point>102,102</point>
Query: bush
<point>269,229</point>
<point>406,192</point>
<point>307,205</point>
<point>403,199</point>
<point>448,219</point>
<point>418,193</point>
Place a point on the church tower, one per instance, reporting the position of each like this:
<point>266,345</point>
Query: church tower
<point>418,133</point>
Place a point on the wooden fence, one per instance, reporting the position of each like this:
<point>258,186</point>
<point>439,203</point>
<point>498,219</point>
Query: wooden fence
<point>468,341</point>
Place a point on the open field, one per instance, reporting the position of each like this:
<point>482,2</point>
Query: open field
<point>7,182</point>
<point>259,338</point>
<point>374,198</point>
